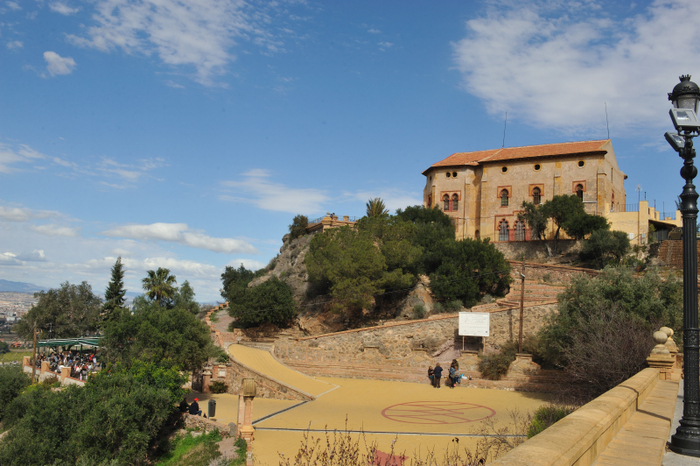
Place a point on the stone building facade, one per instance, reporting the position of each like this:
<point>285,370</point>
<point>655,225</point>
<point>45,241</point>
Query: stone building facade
<point>483,191</point>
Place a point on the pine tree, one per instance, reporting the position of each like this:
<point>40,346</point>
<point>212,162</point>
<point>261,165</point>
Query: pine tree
<point>115,292</point>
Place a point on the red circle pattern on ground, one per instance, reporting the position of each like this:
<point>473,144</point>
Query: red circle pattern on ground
<point>437,412</point>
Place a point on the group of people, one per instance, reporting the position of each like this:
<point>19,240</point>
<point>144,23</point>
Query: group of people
<point>81,364</point>
<point>453,376</point>
<point>191,409</point>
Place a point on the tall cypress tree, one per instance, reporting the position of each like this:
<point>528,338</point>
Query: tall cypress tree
<point>115,292</point>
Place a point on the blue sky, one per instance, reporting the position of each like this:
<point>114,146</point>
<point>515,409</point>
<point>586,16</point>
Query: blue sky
<point>187,134</point>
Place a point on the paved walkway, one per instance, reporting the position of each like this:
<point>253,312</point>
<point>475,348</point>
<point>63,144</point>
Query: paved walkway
<point>263,362</point>
<point>413,417</point>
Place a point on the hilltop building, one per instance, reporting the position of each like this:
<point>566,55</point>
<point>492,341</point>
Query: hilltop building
<point>483,191</point>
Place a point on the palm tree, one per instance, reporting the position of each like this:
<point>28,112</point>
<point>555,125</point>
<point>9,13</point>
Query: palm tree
<point>159,285</point>
<point>376,207</point>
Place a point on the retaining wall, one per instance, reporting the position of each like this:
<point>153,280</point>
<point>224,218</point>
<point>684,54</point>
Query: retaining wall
<point>581,436</point>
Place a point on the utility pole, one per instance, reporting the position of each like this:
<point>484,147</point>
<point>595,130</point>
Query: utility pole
<point>522,305</point>
<point>34,357</point>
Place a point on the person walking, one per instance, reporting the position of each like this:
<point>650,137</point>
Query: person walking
<point>437,374</point>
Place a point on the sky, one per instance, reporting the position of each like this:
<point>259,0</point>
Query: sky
<point>188,134</point>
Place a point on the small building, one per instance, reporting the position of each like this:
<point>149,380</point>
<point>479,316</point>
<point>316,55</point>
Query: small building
<point>329,220</point>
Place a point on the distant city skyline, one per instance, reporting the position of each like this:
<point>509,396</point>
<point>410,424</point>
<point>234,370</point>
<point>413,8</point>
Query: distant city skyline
<point>187,135</point>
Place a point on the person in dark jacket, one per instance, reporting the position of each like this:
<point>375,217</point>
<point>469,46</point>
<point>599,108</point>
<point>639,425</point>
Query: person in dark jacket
<point>437,374</point>
<point>430,374</point>
<point>194,408</point>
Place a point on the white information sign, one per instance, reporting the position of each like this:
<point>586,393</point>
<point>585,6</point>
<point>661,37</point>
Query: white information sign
<point>474,324</point>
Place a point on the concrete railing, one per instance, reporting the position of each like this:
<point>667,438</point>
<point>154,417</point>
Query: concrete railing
<point>581,436</point>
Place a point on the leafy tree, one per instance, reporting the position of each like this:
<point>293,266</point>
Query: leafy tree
<point>271,301</point>
<point>605,247</point>
<point>396,240</point>
<point>536,218</point>
<point>184,298</point>
<point>433,227</point>
<point>235,281</point>
<point>118,416</point>
<point>376,208</point>
<point>172,336</point>
<point>12,381</point>
<point>347,263</point>
<point>4,347</point>
<point>470,269</point>
<point>115,292</point>
<point>647,300</point>
<point>159,285</point>
<point>69,311</point>
<point>581,226</point>
<point>298,227</point>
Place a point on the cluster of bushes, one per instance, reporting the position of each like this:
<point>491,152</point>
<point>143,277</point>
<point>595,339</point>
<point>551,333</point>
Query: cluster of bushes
<point>270,302</point>
<point>383,254</point>
<point>601,335</point>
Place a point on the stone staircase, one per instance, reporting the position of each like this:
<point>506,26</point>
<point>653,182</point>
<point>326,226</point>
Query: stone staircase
<point>534,292</point>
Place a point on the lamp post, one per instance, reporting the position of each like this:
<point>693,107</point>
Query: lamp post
<point>685,98</point>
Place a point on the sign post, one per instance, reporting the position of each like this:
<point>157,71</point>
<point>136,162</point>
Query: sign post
<point>474,324</point>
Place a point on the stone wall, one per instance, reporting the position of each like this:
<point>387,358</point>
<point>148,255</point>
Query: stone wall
<point>404,350</point>
<point>191,421</point>
<point>267,387</point>
<point>548,273</point>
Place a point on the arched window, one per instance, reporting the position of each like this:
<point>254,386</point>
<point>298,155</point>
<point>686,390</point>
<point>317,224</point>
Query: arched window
<point>503,231</point>
<point>504,198</point>
<point>477,234</point>
<point>430,201</point>
<point>455,202</point>
<point>579,191</point>
<point>519,231</point>
<point>612,203</point>
<point>446,203</point>
<point>536,196</point>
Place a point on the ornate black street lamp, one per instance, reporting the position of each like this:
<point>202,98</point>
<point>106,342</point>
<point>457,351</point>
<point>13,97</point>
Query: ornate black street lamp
<point>685,98</point>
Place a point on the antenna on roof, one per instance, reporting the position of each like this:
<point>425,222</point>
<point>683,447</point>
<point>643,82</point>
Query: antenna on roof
<point>606,119</point>
<point>504,131</point>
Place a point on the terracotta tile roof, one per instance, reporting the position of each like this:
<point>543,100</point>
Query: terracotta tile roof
<point>526,152</point>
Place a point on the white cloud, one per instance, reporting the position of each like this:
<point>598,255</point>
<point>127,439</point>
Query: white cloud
<point>14,214</point>
<point>35,256</point>
<point>128,172</point>
<point>385,45</point>
<point>273,196</point>
<point>63,9</point>
<point>190,33</point>
<point>15,44</point>
<point>55,230</point>
<point>7,258</point>
<point>22,214</point>
<point>550,67</point>
<point>374,31</point>
<point>176,266</point>
<point>180,233</point>
<point>21,154</point>
<point>13,6</point>
<point>58,65</point>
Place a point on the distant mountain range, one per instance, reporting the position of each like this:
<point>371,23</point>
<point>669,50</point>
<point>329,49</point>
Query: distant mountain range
<point>19,287</point>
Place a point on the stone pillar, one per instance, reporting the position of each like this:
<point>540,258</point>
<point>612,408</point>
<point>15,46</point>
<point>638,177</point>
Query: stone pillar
<point>660,357</point>
<point>27,361</point>
<point>44,366</point>
<point>247,431</point>
<point>206,380</point>
<point>241,411</point>
<point>65,372</point>
<point>671,346</point>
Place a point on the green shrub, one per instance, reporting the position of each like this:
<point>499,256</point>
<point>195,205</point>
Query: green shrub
<point>218,387</point>
<point>12,382</point>
<point>193,451</point>
<point>438,308</point>
<point>453,306</point>
<point>547,415</point>
<point>270,302</point>
<point>298,227</point>
<point>419,311</point>
<point>494,366</point>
